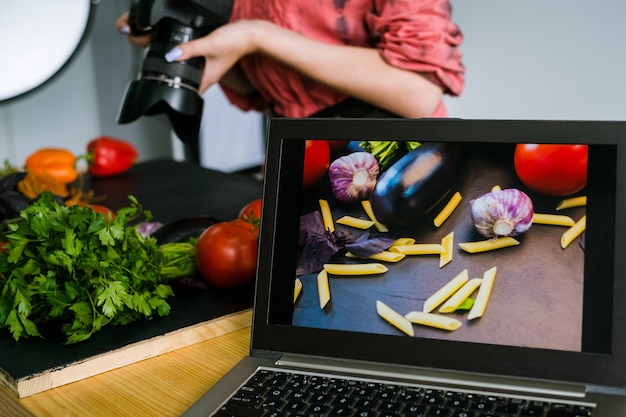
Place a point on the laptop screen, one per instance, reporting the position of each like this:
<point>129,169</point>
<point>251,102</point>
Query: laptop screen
<point>453,238</point>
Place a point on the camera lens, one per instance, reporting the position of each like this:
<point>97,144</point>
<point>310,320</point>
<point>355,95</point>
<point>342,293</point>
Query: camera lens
<point>184,74</point>
<point>171,88</point>
<point>168,87</point>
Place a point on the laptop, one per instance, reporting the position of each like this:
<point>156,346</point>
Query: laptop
<point>547,338</point>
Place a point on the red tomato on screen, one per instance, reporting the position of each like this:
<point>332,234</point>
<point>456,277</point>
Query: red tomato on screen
<point>316,162</point>
<point>552,169</point>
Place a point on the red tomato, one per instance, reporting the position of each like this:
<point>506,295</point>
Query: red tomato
<point>226,255</point>
<point>108,213</point>
<point>250,216</point>
<point>316,162</point>
<point>252,210</point>
<point>251,226</point>
<point>551,169</point>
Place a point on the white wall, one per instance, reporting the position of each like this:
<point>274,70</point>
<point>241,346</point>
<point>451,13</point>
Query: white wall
<point>559,59</point>
<point>82,101</point>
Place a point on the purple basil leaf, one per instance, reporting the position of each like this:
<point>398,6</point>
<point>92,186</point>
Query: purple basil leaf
<point>311,224</point>
<point>344,236</point>
<point>317,251</point>
<point>367,247</point>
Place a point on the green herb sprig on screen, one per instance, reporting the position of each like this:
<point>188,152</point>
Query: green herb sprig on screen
<point>387,151</point>
<point>83,270</point>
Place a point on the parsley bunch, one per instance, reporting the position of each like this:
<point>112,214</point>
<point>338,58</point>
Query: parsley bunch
<point>75,267</point>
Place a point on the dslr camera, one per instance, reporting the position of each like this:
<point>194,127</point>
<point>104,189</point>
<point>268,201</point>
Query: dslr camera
<point>171,87</point>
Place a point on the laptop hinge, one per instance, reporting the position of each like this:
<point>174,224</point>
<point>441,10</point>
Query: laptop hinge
<point>434,377</point>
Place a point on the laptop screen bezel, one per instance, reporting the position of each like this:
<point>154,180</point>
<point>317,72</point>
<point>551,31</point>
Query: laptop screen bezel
<point>280,213</point>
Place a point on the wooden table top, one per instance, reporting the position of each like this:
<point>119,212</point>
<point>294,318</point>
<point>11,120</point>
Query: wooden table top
<point>162,386</point>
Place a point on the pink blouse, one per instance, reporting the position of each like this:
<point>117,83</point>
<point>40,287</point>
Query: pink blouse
<point>415,35</point>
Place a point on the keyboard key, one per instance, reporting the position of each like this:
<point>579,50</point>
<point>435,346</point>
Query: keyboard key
<point>341,411</point>
<point>481,406</point>
<point>433,401</point>
<point>343,401</point>
<point>389,406</point>
<point>321,399</point>
<point>581,410</point>
<point>438,412</point>
<point>457,403</point>
<point>507,408</point>
<point>295,406</point>
<point>318,409</point>
<point>533,409</point>
<point>365,413</point>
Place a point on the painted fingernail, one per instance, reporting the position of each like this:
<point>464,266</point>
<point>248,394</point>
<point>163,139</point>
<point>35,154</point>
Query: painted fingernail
<point>173,54</point>
<point>125,30</point>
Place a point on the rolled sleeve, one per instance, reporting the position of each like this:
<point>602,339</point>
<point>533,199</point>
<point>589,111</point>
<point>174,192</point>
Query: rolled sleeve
<point>418,35</point>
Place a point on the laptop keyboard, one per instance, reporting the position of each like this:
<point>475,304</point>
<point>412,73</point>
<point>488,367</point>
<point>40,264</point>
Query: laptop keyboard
<point>276,393</point>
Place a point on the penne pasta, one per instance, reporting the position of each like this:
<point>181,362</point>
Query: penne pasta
<point>553,219</point>
<point>394,318</point>
<point>355,222</point>
<point>573,232</point>
<point>572,202</point>
<point>445,292</point>
<point>403,241</point>
<point>433,320</point>
<point>355,269</point>
<point>448,248</point>
<point>453,303</point>
<point>418,249</point>
<point>449,208</point>
<point>385,256</point>
<point>487,245</point>
<point>323,289</point>
<point>297,288</point>
<point>327,216</point>
<point>367,206</point>
<point>484,293</point>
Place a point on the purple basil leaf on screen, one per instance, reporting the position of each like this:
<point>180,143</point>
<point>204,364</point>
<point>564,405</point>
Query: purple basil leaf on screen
<point>367,247</point>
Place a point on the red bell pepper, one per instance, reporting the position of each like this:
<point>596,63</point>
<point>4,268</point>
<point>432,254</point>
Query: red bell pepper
<point>109,156</point>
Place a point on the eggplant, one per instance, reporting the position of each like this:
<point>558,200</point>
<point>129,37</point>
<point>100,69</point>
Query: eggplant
<point>415,184</point>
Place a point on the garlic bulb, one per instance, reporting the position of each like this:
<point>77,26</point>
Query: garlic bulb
<point>507,212</point>
<point>353,176</point>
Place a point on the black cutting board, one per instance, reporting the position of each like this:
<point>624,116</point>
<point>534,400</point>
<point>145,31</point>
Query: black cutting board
<point>184,197</point>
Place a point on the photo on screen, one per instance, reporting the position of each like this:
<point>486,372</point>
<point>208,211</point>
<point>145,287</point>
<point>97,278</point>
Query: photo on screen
<point>467,242</point>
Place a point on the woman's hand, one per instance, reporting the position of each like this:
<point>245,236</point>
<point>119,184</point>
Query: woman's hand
<point>222,49</point>
<point>123,27</point>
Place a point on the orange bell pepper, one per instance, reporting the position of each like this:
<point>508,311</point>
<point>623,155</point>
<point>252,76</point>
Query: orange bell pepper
<point>56,162</point>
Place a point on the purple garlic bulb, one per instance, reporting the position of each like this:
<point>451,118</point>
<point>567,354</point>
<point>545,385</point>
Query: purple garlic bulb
<point>499,213</point>
<point>353,176</point>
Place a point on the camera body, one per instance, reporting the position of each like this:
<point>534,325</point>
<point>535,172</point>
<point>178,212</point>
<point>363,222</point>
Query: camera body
<point>171,87</point>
